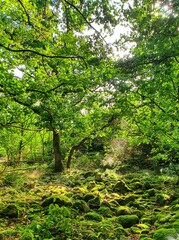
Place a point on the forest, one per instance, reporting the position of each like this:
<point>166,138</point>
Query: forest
<point>89,120</point>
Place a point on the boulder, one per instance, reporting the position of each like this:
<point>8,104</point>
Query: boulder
<point>94,203</point>
<point>128,221</point>
<point>61,200</point>
<point>121,187</point>
<point>81,206</point>
<point>10,211</point>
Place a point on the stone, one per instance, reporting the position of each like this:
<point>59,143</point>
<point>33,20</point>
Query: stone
<point>94,203</point>
<point>10,211</point>
<point>105,211</point>
<point>162,199</point>
<point>61,200</point>
<point>121,187</point>
<point>128,221</point>
<point>123,210</point>
<point>81,206</point>
<point>93,216</point>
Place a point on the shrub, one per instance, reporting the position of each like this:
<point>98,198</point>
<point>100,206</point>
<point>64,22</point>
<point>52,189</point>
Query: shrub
<point>56,223</point>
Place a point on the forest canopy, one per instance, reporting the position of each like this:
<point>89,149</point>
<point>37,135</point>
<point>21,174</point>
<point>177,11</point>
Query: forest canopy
<point>71,88</point>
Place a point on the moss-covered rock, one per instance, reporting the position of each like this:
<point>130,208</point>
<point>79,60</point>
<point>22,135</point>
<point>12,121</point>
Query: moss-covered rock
<point>92,236</point>
<point>175,207</point>
<point>95,202</point>
<point>123,210</point>
<point>105,211</point>
<point>151,192</point>
<point>143,226</point>
<point>88,196</point>
<point>136,230</point>
<point>128,198</point>
<point>93,216</point>
<point>113,204</point>
<point>145,238</point>
<point>128,221</point>
<point>91,185</point>
<point>162,199</point>
<point>88,174</point>
<point>136,185</point>
<point>121,187</point>
<point>137,205</point>
<point>61,200</point>
<point>165,234</point>
<point>147,184</point>
<point>81,206</point>
<point>10,211</point>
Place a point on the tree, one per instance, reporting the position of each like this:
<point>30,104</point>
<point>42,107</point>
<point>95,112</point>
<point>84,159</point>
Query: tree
<point>152,74</point>
<point>60,66</point>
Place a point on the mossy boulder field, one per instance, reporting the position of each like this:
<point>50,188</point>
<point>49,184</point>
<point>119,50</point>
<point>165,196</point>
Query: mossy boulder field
<point>76,205</point>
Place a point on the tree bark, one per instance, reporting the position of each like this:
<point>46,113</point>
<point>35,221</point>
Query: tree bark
<point>57,151</point>
<point>73,149</point>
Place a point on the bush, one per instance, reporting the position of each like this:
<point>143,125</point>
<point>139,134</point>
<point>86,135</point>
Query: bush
<point>57,223</point>
<point>13,180</point>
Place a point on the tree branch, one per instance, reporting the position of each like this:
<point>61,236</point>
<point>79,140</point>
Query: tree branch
<point>43,55</point>
<point>89,24</point>
<point>19,127</point>
<point>26,13</point>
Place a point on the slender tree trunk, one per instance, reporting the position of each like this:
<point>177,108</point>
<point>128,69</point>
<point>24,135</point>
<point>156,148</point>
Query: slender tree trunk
<point>73,149</point>
<point>20,151</point>
<point>57,151</point>
<point>20,145</point>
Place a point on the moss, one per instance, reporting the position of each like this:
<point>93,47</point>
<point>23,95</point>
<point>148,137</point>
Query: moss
<point>137,205</point>
<point>10,211</point>
<point>94,203</point>
<point>136,185</point>
<point>121,187</point>
<point>143,226</point>
<point>81,206</point>
<point>123,210</point>
<point>175,225</point>
<point>128,198</point>
<point>175,207</point>
<point>91,185</point>
<point>164,234</point>
<point>61,200</point>
<point>105,211</point>
<point>162,199</point>
<point>88,196</point>
<point>128,221</point>
<point>93,216</point>
<point>92,236</point>
<point>145,238</point>
<point>151,192</point>
<point>113,204</point>
<point>135,230</point>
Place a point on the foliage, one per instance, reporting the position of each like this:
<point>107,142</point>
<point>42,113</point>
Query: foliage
<point>13,179</point>
<point>152,77</point>
<point>56,223</point>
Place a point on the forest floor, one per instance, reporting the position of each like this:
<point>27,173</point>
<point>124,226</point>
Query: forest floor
<point>126,203</point>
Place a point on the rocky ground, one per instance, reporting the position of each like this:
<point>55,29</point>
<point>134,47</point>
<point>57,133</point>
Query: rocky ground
<point>124,203</point>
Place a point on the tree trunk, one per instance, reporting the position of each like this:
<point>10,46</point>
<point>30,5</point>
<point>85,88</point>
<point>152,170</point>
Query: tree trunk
<point>57,151</point>
<point>73,149</point>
